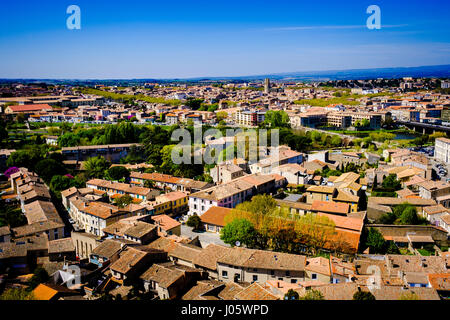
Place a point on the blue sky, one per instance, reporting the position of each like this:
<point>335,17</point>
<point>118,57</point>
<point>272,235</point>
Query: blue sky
<point>168,39</point>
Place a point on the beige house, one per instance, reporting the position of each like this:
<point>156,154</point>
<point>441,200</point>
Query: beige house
<point>320,193</point>
<point>207,259</point>
<point>436,190</point>
<point>318,269</point>
<point>248,265</point>
<point>214,219</point>
<point>129,265</point>
<point>168,280</point>
<point>226,172</point>
<point>84,243</point>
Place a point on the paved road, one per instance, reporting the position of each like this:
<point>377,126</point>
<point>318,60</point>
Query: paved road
<point>204,237</point>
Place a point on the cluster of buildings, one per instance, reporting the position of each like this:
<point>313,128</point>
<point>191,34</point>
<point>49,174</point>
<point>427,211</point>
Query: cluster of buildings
<point>141,246</point>
<point>43,238</point>
<point>244,105</point>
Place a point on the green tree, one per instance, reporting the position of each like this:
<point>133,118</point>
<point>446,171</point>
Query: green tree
<point>133,156</point>
<point>65,127</point>
<point>291,295</point>
<point>20,118</point>
<point>409,216</point>
<point>123,201</point>
<point>69,139</point>
<point>260,204</point>
<point>16,294</point>
<point>38,140</point>
<point>375,241</point>
<point>149,184</point>
<point>239,230</point>
<point>3,132</point>
<point>27,158</point>
<point>363,295</point>
<point>432,137</point>
<point>48,168</point>
<point>404,213</point>
<point>375,182</point>
<point>194,222</point>
<point>118,173</point>
<point>391,182</point>
<point>154,138</point>
<point>96,166</point>
<point>336,141</point>
<point>365,123</point>
<point>276,119</point>
<point>221,115</point>
<point>40,275</point>
<point>11,216</point>
<point>313,295</point>
<point>410,296</point>
<point>193,103</point>
<point>60,183</point>
<point>392,248</point>
<point>316,231</point>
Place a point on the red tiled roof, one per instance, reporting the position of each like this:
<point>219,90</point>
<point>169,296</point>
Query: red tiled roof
<point>330,206</point>
<point>215,216</point>
<point>30,107</point>
<point>348,223</point>
<point>166,222</point>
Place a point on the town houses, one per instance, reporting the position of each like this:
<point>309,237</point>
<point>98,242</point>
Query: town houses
<point>312,215</point>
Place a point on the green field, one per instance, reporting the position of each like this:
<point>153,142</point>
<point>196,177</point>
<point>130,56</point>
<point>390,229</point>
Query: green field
<point>128,97</point>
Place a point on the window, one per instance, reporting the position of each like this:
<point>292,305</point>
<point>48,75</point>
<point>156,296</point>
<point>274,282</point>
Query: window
<point>224,274</point>
<point>293,280</point>
<point>314,276</point>
<point>255,278</point>
<point>288,274</point>
<point>272,273</point>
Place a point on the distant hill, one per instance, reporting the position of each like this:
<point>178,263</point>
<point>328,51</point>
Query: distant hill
<point>439,71</point>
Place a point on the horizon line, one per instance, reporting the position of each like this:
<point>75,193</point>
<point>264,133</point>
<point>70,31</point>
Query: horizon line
<point>227,77</point>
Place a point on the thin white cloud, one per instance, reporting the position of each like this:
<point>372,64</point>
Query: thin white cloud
<point>336,27</point>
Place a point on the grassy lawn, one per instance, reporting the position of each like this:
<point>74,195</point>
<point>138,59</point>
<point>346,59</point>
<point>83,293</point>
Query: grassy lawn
<point>129,98</point>
<point>405,251</point>
<point>425,252</point>
<point>322,254</point>
<point>326,102</point>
